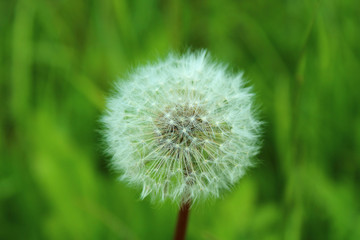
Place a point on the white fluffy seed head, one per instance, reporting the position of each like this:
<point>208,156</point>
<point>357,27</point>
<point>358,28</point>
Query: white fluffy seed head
<point>182,129</point>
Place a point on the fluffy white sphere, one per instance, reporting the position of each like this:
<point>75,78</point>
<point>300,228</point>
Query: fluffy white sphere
<point>183,128</point>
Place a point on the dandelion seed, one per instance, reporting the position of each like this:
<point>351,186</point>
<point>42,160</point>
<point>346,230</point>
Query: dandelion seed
<point>196,123</point>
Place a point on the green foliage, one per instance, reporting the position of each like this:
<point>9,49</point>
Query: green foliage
<point>58,60</point>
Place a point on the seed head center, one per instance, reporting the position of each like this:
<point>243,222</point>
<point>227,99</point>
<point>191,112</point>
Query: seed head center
<point>181,126</point>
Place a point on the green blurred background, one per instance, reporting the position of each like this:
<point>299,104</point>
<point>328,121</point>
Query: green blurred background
<point>59,59</point>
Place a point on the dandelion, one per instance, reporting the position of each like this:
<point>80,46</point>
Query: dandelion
<point>182,129</point>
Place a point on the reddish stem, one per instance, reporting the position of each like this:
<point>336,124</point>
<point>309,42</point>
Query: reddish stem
<point>182,221</point>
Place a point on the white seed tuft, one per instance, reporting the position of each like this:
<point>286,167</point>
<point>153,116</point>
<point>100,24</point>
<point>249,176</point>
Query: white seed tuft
<point>182,129</point>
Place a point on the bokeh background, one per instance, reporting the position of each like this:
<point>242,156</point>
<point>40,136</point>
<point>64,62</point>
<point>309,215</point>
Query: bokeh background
<point>59,59</point>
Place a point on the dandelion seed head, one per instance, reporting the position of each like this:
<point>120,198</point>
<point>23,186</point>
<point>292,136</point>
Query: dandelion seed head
<point>182,129</point>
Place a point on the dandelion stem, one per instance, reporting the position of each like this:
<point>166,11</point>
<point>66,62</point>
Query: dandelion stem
<point>182,221</point>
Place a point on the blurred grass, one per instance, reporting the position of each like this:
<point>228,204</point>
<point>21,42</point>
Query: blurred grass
<point>58,60</point>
